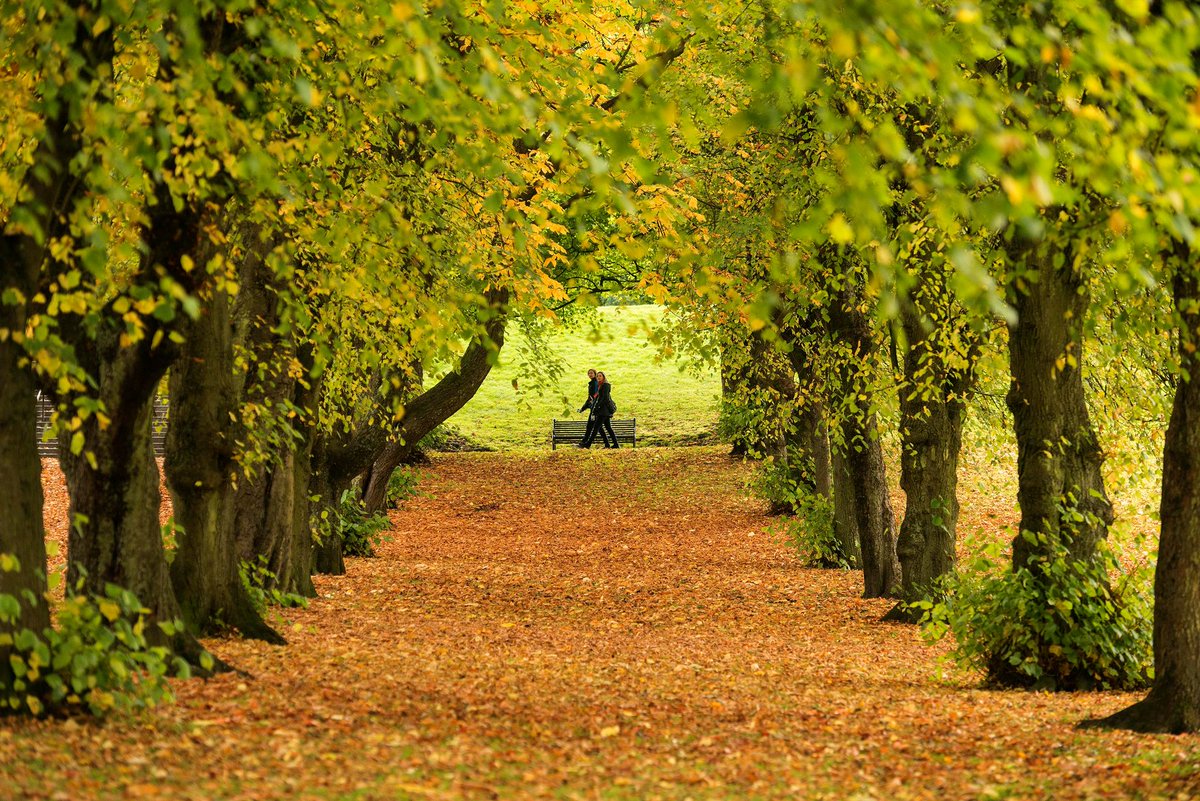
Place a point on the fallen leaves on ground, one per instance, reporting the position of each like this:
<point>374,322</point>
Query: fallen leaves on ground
<point>593,625</point>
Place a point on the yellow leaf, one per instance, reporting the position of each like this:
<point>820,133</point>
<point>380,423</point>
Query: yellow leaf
<point>840,230</point>
<point>110,610</point>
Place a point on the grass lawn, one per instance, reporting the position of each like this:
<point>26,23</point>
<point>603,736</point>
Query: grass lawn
<point>674,400</point>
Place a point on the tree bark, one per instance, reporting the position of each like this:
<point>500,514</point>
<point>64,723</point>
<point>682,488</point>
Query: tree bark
<point>199,467</point>
<point>439,403</point>
<point>21,531</point>
<point>114,483</point>
<point>811,433</point>
<point>327,557</point>
<point>932,405</point>
<point>1058,456</point>
<point>115,535</point>
<point>863,454</point>
<point>298,579</point>
<point>814,441</point>
<point>267,523</point>
<point>50,193</point>
<point>845,513</point>
<point>1173,703</point>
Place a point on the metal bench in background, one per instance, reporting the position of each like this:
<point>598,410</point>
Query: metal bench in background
<point>570,432</point>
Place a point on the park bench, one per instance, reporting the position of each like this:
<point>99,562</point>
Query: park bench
<point>570,432</point>
<point>49,447</point>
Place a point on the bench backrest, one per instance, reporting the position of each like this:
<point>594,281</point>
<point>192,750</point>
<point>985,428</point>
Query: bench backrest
<point>573,430</point>
<point>158,431</point>
<point>569,427</point>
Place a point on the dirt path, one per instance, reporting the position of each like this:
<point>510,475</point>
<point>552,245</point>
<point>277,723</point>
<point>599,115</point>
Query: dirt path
<point>593,625</point>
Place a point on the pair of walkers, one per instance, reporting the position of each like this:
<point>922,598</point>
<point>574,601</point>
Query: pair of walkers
<point>602,407</point>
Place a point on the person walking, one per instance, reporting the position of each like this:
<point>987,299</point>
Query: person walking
<point>590,406</point>
<point>603,409</point>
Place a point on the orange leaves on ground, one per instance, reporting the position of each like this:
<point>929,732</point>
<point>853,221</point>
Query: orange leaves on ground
<point>594,625</point>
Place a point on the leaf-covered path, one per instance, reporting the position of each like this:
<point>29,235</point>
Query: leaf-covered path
<point>592,625</point>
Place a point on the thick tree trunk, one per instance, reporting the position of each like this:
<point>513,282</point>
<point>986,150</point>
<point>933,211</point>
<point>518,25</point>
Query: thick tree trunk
<point>850,325</point>
<point>814,441</point>
<point>114,488</point>
<point>1058,457</point>
<point>929,476</point>
<point>845,514</point>
<point>21,532</point>
<point>306,395</point>
<point>114,483</point>
<point>932,405</point>
<point>199,467</point>
<point>327,556</point>
<point>1173,704</point>
<point>438,404</point>
<point>267,523</point>
<point>811,433</point>
<point>873,509</point>
<point>298,578</point>
<point>49,195</point>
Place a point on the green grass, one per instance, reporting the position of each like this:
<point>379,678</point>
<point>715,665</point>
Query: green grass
<point>674,400</point>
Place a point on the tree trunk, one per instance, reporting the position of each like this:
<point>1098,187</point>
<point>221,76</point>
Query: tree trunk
<point>328,558</point>
<point>732,371</point>
<point>845,514</point>
<point>438,404</point>
<point>811,433</point>
<point>814,439</point>
<point>932,405</point>
<point>37,215</point>
<point>114,483</point>
<point>1173,704</point>
<point>199,467</point>
<point>1058,456</point>
<point>873,509</point>
<point>306,395</point>
<point>21,531</point>
<point>267,525</point>
<point>298,579</point>
<point>114,488</point>
<point>863,456</point>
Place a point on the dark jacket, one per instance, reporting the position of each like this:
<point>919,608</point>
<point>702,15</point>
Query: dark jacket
<point>603,405</point>
<point>591,399</point>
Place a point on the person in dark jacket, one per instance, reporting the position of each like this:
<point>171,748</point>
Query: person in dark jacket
<point>589,406</point>
<point>603,409</point>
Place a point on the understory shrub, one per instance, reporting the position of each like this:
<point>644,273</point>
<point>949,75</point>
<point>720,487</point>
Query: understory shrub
<point>360,532</point>
<point>401,486</point>
<point>1058,624</point>
<point>743,422</point>
<point>809,533</point>
<point>261,585</point>
<point>806,517</point>
<point>96,658</point>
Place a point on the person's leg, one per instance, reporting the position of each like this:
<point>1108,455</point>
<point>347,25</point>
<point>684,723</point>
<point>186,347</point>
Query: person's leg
<point>612,435</point>
<point>600,430</point>
<point>590,433</point>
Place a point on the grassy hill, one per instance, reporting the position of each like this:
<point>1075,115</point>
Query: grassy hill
<point>674,400</point>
